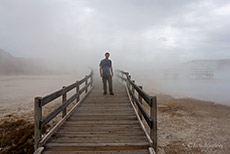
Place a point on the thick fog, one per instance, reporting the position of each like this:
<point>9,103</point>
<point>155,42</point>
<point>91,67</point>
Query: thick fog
<point>142,36</point>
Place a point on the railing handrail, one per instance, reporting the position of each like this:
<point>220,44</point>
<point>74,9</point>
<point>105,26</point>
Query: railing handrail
<point>39,102</point>
<point>151,119</point>
<point>50,97</point>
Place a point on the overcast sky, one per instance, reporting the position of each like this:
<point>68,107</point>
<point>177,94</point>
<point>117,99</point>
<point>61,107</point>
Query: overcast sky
<point>145,31</point>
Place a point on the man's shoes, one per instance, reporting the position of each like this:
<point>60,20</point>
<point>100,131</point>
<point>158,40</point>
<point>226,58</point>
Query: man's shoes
<point>104,93</point>
<point>111,93</point>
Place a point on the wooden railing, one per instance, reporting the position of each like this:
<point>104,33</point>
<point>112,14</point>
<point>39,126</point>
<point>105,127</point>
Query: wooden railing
<point>151,119</point>
<point>40,102</point>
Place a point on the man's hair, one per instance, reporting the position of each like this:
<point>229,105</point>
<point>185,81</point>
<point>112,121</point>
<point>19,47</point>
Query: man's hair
<point>107,53</point>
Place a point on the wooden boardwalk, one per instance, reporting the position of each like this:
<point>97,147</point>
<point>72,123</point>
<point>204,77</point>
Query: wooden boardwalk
<point>97,123</point>
<point>104,123</point>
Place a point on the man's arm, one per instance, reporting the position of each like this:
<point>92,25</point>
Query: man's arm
<point>100,70</point>
<point>111,68</point>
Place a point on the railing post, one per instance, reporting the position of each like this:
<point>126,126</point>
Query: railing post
<point>77,91</point>
<point>129,76</point>
<point>133,91</point>
<point>133,87</point>
<point>140,100</point>
<point>63,101</point>
<point>37,124</point>
<point>91,79</point>
<point>86,82</point>
<point>153,130</point>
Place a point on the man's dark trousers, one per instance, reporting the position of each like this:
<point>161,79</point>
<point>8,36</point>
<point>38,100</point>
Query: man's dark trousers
<point>104,79</point>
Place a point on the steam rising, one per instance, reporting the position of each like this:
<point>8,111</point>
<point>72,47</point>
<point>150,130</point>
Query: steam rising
<point>142,36</point>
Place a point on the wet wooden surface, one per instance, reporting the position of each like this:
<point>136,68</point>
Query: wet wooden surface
<point>101,124</point>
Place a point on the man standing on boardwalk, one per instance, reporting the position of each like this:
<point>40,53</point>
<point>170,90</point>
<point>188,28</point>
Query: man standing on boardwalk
<point>106,73</point>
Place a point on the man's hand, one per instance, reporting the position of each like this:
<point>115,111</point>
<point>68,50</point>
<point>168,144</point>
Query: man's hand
<point>111,68</point>
<point>101,75</point>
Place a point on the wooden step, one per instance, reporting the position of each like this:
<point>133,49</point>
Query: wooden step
<point>100,122</point>
<point>107,122</point>
<point>121,117</point>
<point>137,151</point>
<point>98,134</point>
<point>96,139</point>
<point>95,146</point>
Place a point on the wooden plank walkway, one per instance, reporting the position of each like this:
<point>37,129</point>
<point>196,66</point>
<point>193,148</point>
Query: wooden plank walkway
<point>101,124</point>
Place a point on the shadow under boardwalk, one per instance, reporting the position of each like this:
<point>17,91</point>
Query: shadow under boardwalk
<point>101,124</point>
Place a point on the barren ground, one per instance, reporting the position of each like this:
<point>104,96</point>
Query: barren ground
<point>185,126</point>
<point>189,126</point>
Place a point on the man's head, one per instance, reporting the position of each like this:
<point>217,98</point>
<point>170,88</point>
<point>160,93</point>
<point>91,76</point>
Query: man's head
<point>107,55</point>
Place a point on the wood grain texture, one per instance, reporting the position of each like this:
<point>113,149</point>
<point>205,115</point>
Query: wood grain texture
<point>99,152</point>
<point>102,124</point>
